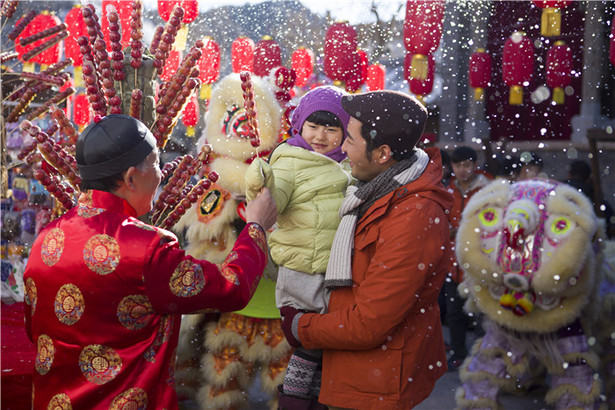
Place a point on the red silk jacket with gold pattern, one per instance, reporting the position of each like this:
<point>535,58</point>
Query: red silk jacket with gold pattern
<point>104,295</point>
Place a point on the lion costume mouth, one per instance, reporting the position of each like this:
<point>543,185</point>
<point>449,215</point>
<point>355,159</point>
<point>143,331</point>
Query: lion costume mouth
<point>235,123</point>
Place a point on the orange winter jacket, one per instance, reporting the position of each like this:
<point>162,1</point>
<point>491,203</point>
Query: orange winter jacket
<point>460,200</point>
<point>381,338</point>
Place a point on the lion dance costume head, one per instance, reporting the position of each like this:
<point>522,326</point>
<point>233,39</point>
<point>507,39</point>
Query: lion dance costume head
<point>219,353</point>
<point>533,254</point>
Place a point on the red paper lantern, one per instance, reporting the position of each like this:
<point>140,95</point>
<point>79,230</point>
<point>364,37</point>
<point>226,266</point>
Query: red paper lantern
<point>612,48</point>
<point>339,51</point>
<point>41,22</point>
<point>375,77</point>
<point>479,72</point>
<point>551,19</point>
<point>302,62</point>
<point>242,54</point>
<point>191,9</point>
<point>171,65</point>
<point>267,55</point>
<point>124,11</point>
<point>559,70</point>
<point>423,26</point>
<point>209,67</point>
<point>76,26</point>
<point>82,113</point>
<point>357,75</point>
<point>517,65</point>
<point>420,84</point>
<point>190,115</point>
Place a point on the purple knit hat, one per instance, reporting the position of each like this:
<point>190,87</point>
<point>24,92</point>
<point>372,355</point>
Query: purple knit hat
<point>323,98</point>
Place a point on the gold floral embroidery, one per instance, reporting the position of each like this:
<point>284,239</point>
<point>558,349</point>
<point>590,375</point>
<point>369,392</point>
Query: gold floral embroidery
<point>162,336</point>
<point>84,212</point>
<point>229,275</point>
<point>85,199</point>
<point>45,351</point>
<point>60,401</point>
<point>227,272</point>
<point>52,247</point>
<point>69,304</point>
<point>102,254</point>
<point>135,312</point>
<point>187,279</point>
<point>134,398</point>
<point>30,295</point>
<point>99,364</point>
<point>258,235</point>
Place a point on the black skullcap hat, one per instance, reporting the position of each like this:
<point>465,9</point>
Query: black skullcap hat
<point>112,145</point>
<point>393,118</point>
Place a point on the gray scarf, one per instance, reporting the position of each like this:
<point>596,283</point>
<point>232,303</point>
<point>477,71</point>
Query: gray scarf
<point>357,201</point>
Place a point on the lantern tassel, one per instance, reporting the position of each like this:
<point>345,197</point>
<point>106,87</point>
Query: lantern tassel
<point>558,95</point>
<point>516,95</point>
<point>550,22</point>
<point>205,92</point>
<point>420,66</point>
<point>190,131</point>
<point>479,93</point>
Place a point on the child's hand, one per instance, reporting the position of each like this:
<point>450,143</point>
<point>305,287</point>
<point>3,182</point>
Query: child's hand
<point>255,178</point>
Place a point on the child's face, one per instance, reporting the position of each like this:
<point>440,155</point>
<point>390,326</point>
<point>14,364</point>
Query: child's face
<point>464,170</point>
<point>322,138</point>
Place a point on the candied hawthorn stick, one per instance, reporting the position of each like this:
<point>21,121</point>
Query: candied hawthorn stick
<point>136,99</point>
<point>8,56</point>
<point>42,34</point>
<point>57,99</point>
<point>66,127</point>
<point>44,46</point>
<point>22,25</point>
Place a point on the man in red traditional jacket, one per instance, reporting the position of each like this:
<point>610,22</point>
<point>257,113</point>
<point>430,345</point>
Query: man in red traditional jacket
<point>105,291</point>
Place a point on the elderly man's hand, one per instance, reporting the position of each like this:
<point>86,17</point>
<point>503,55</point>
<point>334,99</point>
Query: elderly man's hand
<point>262,210</point>
<point>290,322</point>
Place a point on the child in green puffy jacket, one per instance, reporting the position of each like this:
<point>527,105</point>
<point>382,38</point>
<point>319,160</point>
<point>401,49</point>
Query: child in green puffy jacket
<point>307,175</point>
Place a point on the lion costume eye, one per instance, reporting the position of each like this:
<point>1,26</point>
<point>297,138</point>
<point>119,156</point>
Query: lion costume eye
<point>489,217</point>
<point>560,225</point>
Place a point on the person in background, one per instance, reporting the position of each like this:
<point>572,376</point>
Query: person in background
<point>381,336</point>
<point>307,175</point>
<point>466,181</point>
<point>104,291</point>
<point>531,166</point>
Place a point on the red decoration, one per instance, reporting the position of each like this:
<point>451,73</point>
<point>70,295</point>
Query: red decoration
<point>191,9</point>
<point>82,114</point>
<point>340,51</point>
<point>559,70</point>
<point>420,85</point>
<point>551,19</point>
<point>517,65</point>
<point>358,74</point>
<point>76,26</point>
<point>171,65</point>
<point>124,10</point>
<point>423,26</point>
<point>267,55</point>
<point>612,48</point>
<point>242,54</point>
<point>375,77</point>
<point>479,73</point>
<point>41,22</point>
<point>302,62</point>
<point>190,115</point>
<point>209,63</point>
<point>557,4</point>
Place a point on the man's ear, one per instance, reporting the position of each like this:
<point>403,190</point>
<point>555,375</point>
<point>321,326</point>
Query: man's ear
<point>383,154</point>
<point>128,178</point>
